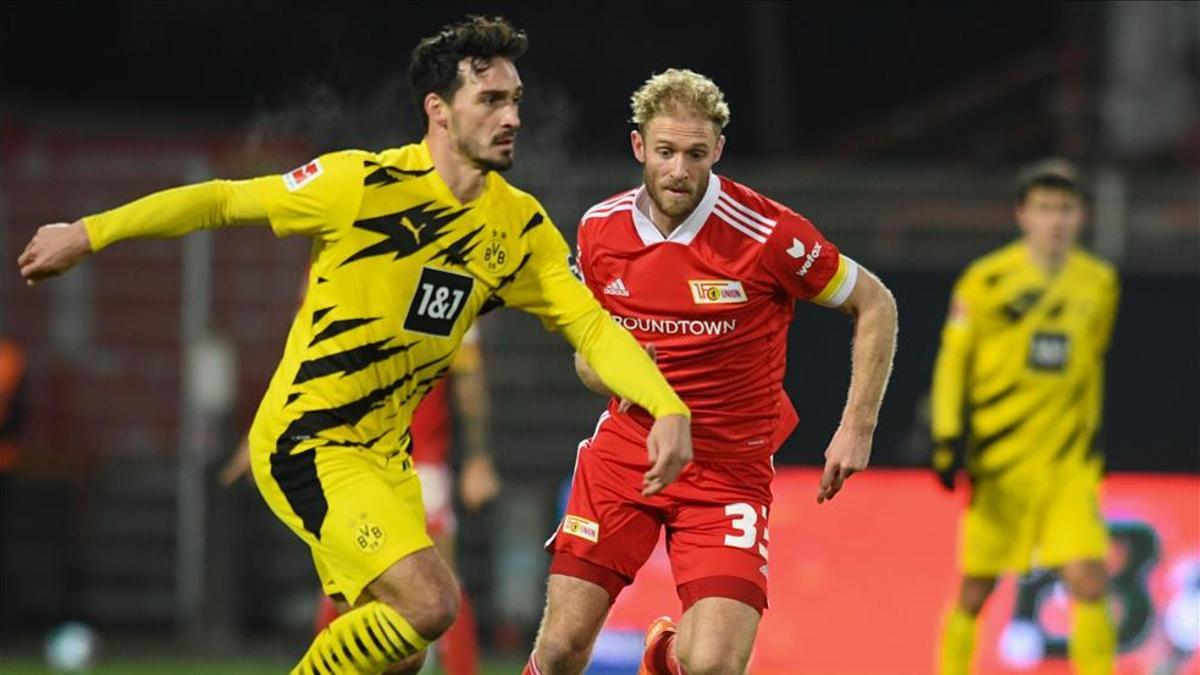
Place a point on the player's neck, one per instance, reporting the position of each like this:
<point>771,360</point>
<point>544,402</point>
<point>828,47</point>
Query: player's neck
<point>662,222</point>
<point>461,175</point>
<point>1049,262</point>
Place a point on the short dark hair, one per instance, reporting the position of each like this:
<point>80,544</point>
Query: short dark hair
<point>1047,180</point>
<point>433,66</point>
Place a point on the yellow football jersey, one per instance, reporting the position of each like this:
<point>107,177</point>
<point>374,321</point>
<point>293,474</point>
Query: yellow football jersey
<point>1020,372</point>
<point>400,270</point>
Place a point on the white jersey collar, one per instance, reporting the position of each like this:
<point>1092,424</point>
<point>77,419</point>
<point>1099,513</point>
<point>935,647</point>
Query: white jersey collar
<point>688,229</point>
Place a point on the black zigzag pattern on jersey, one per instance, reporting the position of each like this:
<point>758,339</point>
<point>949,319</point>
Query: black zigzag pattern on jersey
<point>313,422</point>
<point>349,361</point>
<point>995,398</point>
<point>425,384</point>
<point>456,253</point>
<point>341,326</point>
<point>365,445</point>
<point>980,445</point>
<point>1020,305</point>
<point>494,301</point>
<point>320,313</point>
<point>406,231</point>
<point>536,220</point>
<point>387,175</point>
<point>297,478</point>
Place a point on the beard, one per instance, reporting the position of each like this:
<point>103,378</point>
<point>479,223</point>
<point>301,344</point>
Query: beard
<point>669,205</point>
<point>479,155</point>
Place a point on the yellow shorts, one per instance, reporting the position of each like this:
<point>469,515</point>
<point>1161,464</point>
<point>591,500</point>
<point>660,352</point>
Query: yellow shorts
<point>359,512</point>
<point>1012,528</point>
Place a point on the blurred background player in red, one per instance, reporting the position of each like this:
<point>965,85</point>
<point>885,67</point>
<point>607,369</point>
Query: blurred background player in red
<point>705,272</point>
<point>478,483</point>
<point>13,392</point>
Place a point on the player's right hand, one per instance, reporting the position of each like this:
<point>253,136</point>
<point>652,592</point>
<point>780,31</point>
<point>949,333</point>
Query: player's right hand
<point>946,464</point>
<point>53,250</point>
<point>669,446</point>
<point>238,465</point>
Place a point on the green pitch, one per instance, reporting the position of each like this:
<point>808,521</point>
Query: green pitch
<point>26,667</point>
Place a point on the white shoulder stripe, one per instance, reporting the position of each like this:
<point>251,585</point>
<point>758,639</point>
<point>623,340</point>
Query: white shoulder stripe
<point>608,206</point>
<point>747,211</point>
<point>597,212</point>
<point>613,201</point>
<point>756,236</point>
<point>757,227</point>
<point>619,197</point>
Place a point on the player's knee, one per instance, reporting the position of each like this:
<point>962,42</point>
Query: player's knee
<point>974,594</point>
<point>709,659</point>
<point>1086,581</point>
<point>557,652</point>
<point>1088,588</point>
<point>434,613</point>
<point>409,666</point>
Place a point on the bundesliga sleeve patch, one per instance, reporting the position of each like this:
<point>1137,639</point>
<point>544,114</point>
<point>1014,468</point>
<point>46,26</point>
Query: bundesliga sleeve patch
<point>302,176</point>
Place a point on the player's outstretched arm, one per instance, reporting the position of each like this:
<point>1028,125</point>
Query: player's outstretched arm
<point>873,308</point>
<point>57,248</point>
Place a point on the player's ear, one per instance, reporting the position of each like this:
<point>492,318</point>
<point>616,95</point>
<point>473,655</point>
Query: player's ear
<point>435,110</point>
<point>639,146</point>
<point>719,149</point>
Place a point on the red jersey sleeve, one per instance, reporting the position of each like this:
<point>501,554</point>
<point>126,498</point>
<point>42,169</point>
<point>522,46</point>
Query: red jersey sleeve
<point>806,264</point>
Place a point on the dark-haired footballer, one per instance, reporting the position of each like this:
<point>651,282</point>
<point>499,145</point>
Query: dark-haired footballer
<point>409,246</point>
<point>1023,354</point>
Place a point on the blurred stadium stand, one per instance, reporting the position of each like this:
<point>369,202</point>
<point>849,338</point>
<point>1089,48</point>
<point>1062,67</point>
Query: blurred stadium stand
<point>128,538</point>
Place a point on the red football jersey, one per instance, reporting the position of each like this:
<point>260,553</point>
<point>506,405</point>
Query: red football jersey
<point>431,426</point>
<point>716,298</point>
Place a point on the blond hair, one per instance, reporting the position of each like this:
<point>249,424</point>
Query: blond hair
<point>679,89</point>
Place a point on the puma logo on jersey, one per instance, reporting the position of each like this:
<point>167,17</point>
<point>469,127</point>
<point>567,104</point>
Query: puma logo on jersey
<point>797,249</point>
<point>617,288</point>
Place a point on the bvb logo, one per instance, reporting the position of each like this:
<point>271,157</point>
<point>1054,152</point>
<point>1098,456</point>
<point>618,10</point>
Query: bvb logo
<point>495,255</point>
<point>368,536</point>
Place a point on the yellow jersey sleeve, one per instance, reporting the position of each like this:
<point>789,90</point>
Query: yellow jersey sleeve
<point>546,288</point>
<point>314,199</point>
<point>176,212</point>
<point>317,199</point>
<point>1107,315</point>
<point>950,370</point>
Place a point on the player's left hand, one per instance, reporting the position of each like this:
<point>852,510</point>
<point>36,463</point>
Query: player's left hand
<point>478,482</point>
<point>53,250</point>
<point>669,446</point>
<point>847,454</point>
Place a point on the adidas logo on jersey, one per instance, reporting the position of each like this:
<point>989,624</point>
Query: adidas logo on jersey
<point>617,288</point>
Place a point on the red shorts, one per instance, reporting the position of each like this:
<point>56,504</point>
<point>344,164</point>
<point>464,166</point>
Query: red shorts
<point>715,516</point>
<point>437,494</point>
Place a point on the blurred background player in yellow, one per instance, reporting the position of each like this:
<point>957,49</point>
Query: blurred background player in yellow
<point>1017,396</point>
<point>410,245</point>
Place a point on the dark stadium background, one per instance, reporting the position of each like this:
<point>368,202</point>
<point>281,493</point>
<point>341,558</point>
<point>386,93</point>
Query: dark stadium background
<point>899,128</point>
